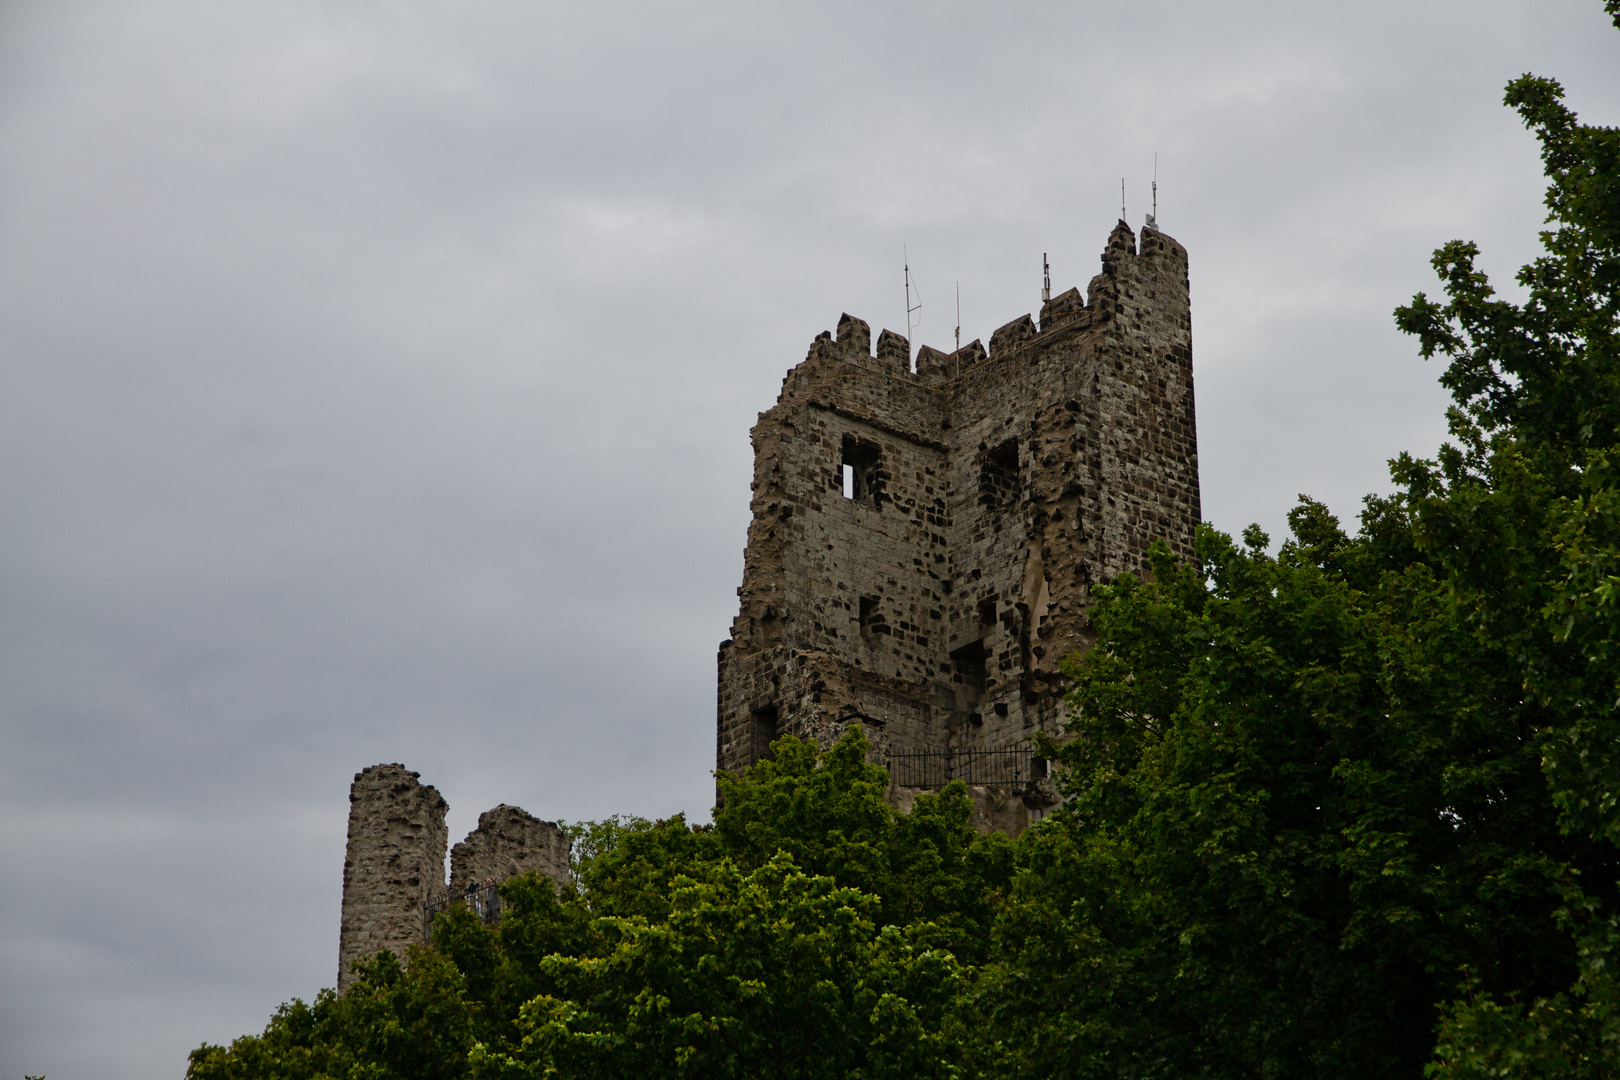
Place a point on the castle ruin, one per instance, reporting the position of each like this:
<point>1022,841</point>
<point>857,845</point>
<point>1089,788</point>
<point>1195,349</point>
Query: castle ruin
<point>393,872</point>
<point>922,546</point>
<point>923,540</point>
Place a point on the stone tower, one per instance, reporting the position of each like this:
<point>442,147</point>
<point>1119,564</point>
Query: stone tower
<point>923,541</point>
<point>394,865</point>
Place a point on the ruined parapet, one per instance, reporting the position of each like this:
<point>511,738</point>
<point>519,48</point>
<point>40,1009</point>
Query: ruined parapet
<point>509,841</point>
<point>923,542</point>
<point>394,863</point>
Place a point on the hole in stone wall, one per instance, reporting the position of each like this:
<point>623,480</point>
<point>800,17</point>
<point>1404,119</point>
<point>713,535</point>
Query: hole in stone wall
<point>871,617</point>
<point>987,612</point>
<point>998,476</point>
<point>967,670</point>
<point>764,721</point>
<point>861,479</point>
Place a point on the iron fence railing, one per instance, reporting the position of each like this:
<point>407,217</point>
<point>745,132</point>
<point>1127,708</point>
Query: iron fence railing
<point>1014,768</point>
<point>485,902</point>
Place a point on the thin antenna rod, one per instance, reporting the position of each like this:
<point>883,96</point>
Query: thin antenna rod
<point>1046,279</point>
<point>1122,216</point>
<point>910,326</point>
<point>958,316</point>
<point>1153,218</point>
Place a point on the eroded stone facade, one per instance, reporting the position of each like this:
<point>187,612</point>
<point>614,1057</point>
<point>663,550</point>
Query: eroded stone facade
<point>923,541</point>
<point>394,863</point>
<point>509,841</point>
<point>393,873</point>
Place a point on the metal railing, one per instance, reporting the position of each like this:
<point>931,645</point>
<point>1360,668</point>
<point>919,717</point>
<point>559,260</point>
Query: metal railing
<point>485,902</point>
<point>1014,768</point>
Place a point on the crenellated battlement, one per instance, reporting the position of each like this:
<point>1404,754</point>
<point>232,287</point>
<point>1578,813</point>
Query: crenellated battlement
<point>1069,312</point>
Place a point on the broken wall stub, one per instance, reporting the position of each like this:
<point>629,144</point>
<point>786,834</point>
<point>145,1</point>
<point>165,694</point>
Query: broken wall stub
<point>509,841</point>
<point>923,542</point>
<point>394,863</point>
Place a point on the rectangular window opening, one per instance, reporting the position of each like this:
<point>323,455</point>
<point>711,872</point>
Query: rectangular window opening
<point>861,479</point>
<point>968,670</point>
<point>998,476</point>
<point>764,721</point>
<point>871,617</point>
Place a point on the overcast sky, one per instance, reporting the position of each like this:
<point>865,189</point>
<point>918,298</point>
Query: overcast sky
<point>377,381</point>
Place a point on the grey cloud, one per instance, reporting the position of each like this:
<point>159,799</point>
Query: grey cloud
<point>377,383</point>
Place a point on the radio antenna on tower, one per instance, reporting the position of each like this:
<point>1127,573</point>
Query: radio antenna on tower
<point>1046,279</point>
<point>1122,216</point>
<point>1153,218</point>
<point>958,316</point>
<point>910,326</point>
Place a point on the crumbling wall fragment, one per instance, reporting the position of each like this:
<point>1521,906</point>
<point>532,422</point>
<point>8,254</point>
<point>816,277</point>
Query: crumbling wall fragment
<point>509,841</point>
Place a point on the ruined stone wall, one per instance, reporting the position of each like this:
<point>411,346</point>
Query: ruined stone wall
<point>394,863</point>
<point>509,841</point>
<point>936,605</point>
<point>394,867</point>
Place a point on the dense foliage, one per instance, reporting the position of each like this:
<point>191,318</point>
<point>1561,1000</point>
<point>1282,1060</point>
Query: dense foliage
<point>1350,809</point>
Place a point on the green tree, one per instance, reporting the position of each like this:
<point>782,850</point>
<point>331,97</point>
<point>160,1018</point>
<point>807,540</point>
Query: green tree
<point>772,973</point>
<point>1311,798</point>
<point>690,950</point>
<point>1537,407</point>
<point>1293,810</point>
<point>393,1023</point>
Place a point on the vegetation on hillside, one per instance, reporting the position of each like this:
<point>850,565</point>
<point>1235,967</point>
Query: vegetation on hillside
<point>1349,810</point>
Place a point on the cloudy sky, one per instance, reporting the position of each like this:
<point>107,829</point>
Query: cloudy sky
<point>377,381</point>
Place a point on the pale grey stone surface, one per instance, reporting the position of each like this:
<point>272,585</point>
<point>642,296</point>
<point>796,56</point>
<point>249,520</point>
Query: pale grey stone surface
<point>394,863</point>
<point>509,841</point>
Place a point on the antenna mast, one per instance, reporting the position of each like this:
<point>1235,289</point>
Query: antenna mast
<point>909,306</point>
<point>958,316</point>
<point>1153,218</point>
<point>1122,199</point>
<point>1046,279</point>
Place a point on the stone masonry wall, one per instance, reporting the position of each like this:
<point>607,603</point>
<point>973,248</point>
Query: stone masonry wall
<point>993,488</point>
<point>395,862</point>
<point>509,841</point>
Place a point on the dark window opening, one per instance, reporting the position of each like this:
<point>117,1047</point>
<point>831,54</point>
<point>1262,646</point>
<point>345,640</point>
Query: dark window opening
<point>1038,767</point>
<point>871,619</point>
<point>987,612</point>
<point>862,479</point>
<point>967,670</point>
<point>998,476</point>
<point>763,722</point>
